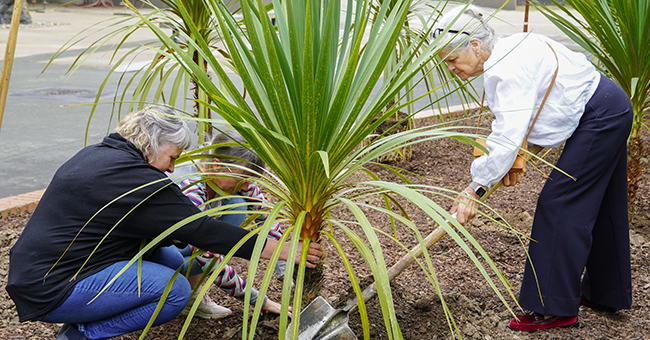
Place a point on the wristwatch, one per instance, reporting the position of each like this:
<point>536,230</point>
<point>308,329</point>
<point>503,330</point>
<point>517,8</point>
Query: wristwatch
<point>478,189</point>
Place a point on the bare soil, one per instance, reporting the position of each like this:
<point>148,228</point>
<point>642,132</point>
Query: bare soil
<point>476,309</point>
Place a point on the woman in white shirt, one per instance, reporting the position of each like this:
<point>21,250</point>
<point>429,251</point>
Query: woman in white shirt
<point>581,223</point>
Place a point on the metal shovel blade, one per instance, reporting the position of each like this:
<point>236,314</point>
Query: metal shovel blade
<point>320,321</point>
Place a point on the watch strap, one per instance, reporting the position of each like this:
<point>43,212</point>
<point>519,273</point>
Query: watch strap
<point>478,189</point>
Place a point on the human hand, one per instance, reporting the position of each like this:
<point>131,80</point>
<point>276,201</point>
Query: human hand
<point>464,206</point>
<point>313,252</point>
<point>273,307</point>
<point>510,179</point>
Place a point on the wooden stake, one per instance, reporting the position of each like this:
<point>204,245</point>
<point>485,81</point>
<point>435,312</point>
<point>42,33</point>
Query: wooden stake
<point>526,16</point>
<point>9,56</point>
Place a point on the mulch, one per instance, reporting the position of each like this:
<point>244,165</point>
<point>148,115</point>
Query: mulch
<point>476,309</point>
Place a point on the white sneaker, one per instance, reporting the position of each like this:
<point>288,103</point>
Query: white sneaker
<point>208,309</point>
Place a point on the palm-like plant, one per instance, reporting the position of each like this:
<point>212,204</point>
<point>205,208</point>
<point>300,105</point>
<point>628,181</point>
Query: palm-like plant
<point>151,83</point>
<point>311,99</point>
<point>309,105</point>
<point>617,34</point>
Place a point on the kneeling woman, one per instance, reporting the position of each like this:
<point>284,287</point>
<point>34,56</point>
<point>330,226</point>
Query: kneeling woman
<point>93,218</point>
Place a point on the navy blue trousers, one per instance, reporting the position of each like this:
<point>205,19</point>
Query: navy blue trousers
<point>580,231</point>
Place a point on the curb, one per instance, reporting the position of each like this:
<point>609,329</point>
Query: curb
<point>20,203</point>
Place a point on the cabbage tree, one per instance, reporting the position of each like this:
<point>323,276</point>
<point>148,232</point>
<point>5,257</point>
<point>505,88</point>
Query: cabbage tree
<point>308,107</point>
<point>420,14</point>
<point>159,80</point>
<point>305,94</point>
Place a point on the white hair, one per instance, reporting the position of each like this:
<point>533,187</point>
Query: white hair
<point>154,128</point>
<point>464,23</point>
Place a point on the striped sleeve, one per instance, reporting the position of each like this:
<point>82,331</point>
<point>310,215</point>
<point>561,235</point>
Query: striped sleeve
<point>253,195</point>
<point>196,191</point>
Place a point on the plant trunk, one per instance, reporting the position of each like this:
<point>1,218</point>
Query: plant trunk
<point>314,280</point>
<point>312,226</point>
<point>198,94</point>
<point>634,169</point>
<point>314,277</point>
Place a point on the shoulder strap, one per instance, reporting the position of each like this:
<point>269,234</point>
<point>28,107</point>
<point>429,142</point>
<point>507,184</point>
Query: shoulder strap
<point>547,91</point>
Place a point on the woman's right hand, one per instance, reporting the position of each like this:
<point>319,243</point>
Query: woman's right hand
<point>313,253</point>
<point>464,206</point>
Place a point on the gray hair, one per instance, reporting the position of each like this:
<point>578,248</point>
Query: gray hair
<point>468,25</point>
<point>153,128</point>
<point>233,154</point>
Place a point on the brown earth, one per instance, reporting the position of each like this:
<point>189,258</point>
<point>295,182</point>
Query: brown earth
<point>476,309</point>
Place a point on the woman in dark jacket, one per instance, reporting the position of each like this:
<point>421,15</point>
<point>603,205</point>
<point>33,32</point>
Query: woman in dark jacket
<point>93,218</point>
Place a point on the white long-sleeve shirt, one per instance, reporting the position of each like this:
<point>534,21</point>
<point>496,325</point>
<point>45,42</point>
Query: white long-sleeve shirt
<point>517,76</point>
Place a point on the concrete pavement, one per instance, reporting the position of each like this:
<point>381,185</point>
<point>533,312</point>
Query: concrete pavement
<point>42,129</point>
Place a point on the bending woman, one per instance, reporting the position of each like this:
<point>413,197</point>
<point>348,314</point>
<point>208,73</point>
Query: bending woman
<point>99,208</point>
<point>581,224</point>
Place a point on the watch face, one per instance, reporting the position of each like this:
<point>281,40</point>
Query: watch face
<point>480,191</point>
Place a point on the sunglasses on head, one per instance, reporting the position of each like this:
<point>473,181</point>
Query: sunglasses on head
<point>437,32</point>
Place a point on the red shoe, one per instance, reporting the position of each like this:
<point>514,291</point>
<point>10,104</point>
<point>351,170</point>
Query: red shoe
<point>533,321</point>
<point>595,306</point>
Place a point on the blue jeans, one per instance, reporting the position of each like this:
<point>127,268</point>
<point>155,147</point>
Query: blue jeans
<point>236,219</point>
<point>120,309</point>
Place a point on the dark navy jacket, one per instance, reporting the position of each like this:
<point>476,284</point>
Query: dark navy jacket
<point>87,197</point>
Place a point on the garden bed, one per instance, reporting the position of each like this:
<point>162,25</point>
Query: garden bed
<point>475,307</point>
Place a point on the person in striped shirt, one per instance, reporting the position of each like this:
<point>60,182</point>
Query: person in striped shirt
<point>243,199</point>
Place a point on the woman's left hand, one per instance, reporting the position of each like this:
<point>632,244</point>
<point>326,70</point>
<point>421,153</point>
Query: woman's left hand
<point>273,307</point>
<point>510,179</point>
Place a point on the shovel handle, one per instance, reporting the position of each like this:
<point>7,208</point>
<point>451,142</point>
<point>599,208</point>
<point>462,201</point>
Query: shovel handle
<point>429,241</point>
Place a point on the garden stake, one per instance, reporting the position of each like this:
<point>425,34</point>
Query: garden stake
<point>9,56</point>
<point>320,321</point>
